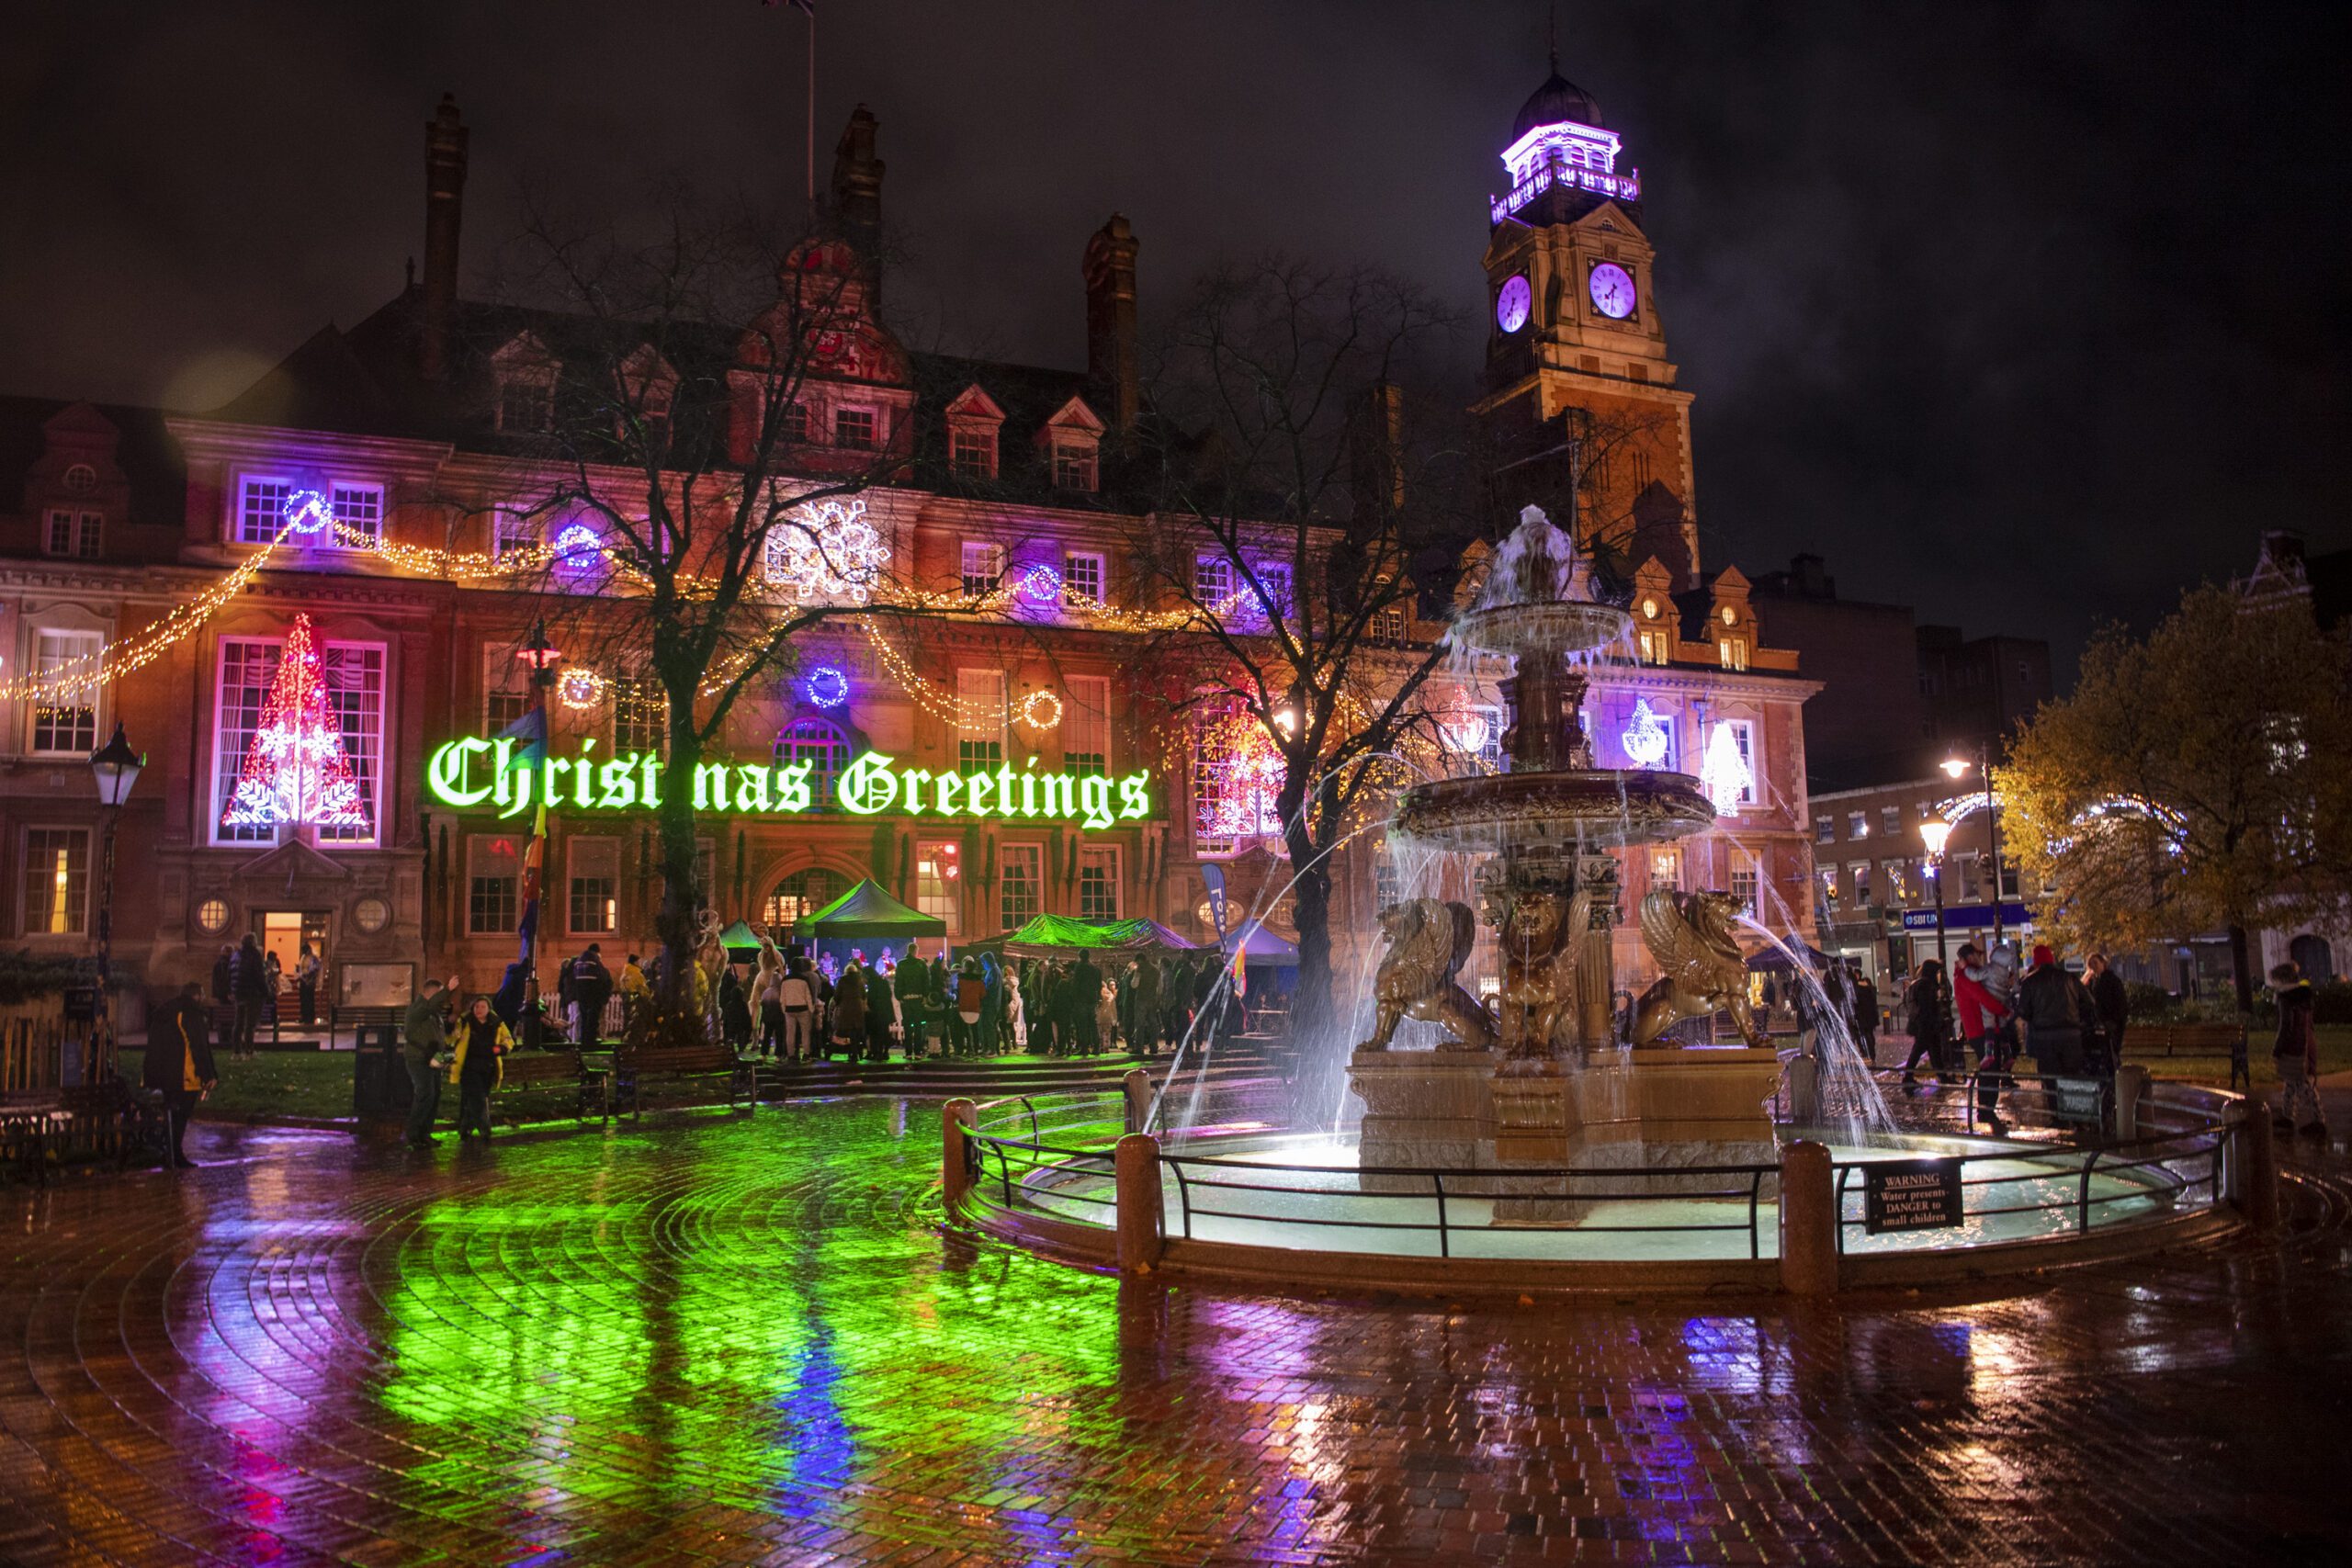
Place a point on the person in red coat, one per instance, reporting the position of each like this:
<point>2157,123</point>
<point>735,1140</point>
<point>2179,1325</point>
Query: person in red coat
<point>179,1062</point>
<point>1981,1012</point>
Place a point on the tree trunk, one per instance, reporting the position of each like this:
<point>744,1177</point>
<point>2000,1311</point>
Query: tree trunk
<point>678,923</point>
<point>2242,969</point>
<point>1310,1010</point>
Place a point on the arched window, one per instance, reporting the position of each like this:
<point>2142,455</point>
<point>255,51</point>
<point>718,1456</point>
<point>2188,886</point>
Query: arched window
<point>801,894</point>
<point>820,743</point>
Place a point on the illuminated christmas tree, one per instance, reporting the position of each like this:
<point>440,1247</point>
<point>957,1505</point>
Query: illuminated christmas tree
<point>296,769</point>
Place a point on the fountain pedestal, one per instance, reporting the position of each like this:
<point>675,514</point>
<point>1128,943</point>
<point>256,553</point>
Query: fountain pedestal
<point>1421,1108</point>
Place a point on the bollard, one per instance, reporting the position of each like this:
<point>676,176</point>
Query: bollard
<point>955,1120</point>
<point>1136,1085</point>
<point>2258,1175</point>
<point>1805,1090</point>
<point>2130,1092</point>
<point>1135,1168</point>
<point>1808,1220</point>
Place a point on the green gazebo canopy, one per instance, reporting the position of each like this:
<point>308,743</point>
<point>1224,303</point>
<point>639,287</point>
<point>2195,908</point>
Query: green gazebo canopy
<point>739,937</point>
<point>1059,936</point>
<point>865,911</point>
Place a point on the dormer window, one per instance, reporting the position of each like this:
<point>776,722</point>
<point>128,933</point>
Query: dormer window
<point>648,386</point>
<point>1070,441</point>
<point>75,533</point>
<point>973,423</point>
<point>525,374</point>
<point>1655,645</point>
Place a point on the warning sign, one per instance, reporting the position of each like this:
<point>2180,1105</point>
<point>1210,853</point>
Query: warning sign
<point>1910,1195</point>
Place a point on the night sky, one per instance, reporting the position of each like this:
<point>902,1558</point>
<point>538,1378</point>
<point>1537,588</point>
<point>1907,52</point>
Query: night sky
<point>2026,315</point>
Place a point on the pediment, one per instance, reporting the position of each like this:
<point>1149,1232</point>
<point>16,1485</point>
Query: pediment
<point>1610,219</point>
<point>975,405</point>
<point>291,864</point>
<point>1075,416</point>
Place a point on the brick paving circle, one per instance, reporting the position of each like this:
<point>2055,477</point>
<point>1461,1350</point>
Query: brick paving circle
<point>719,1339</point>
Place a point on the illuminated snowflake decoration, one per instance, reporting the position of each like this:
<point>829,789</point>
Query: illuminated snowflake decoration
<point>1645,738</point>
<point>1042,709</point>
<point>306,512</point>
<point>826,687</point>
<point>1725,773</point>
<point>1242,774</point>
<point>1042,584</point>
<point>579,689</point>
<point>578,546</point>
<point>828,554</point>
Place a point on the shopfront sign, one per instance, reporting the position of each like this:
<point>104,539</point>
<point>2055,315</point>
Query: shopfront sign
<point>474,773</point>
<point>1966,918</point>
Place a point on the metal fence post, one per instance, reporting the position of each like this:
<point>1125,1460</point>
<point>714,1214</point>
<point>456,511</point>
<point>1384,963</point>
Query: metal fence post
<point>956,1121</point>
<point>1136,1173</point>
<point>1809,1220</point>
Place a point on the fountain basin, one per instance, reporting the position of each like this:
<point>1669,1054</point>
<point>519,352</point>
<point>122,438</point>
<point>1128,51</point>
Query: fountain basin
<point>1569,626</point>
<point>1579,809</point>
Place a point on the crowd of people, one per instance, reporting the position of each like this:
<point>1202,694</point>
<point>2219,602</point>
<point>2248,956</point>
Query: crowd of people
<point>248,979</point>
<point>1971,1027</point>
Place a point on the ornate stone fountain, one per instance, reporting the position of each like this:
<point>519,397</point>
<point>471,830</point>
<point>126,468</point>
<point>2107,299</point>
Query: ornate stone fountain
<point>1543,1079</point>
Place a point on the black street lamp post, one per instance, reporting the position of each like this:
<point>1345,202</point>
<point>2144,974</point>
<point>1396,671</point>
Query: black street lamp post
<point>1956,766</point>
<point>1935,833</point>
<point>116,767</point>
<point>541,655</point>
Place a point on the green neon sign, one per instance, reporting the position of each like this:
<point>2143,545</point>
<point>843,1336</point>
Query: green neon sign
<point>470,774</point>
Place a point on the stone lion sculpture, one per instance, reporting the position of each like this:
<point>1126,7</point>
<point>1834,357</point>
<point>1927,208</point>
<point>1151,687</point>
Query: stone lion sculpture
<point>1690,935</point>
<point>1428,939</point>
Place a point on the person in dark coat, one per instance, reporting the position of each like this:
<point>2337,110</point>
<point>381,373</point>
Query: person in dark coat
<point>2295,1052</point>
<point>1086,998</point>
<point>734,1009</point>
<point>1143,1007</point>
<point>2113,1002</point>
<point>1930,1030</point>
<point>912,986</point>
<point>179,1063</point>
<point>592,988</point>
<point>477,1044</point>
<point>2056,1011</point>
<point>849,1009</point>
<point>423,1036</point>
<point>881,1013</point>
<point>249,987</point>
<point>224,971</point>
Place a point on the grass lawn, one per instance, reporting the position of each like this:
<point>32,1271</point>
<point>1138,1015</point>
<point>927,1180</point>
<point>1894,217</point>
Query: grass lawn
<point>275,1083</point>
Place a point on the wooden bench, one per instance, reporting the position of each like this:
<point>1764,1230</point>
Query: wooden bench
<point>632,1068</point>
<point>2179,1042</point>
<point>523,1071</point>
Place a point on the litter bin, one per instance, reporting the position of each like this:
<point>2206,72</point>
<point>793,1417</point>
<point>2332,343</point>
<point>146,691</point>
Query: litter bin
<point>378,1076</point>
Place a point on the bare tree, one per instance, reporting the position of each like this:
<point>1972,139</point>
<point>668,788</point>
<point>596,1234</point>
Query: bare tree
<point>1293,497</point>
<point>677,373</point>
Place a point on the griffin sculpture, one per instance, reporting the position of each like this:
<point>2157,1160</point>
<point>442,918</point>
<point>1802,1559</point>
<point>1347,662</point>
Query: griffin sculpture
<point>1428,939</point>
<point>1690,935</point>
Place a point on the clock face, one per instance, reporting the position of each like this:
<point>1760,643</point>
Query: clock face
<point>1613,291</point>
<point>1512,303</point>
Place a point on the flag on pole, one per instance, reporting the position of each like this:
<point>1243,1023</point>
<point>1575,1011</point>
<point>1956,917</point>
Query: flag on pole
<point>531,730</point>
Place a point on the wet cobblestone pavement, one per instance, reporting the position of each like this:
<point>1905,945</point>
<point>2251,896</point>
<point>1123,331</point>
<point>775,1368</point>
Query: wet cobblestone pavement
<point>720,1340</point>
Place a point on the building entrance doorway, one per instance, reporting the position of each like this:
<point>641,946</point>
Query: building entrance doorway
<point>285,931</point>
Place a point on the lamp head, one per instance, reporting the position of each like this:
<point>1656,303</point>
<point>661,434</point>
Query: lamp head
<point>116,767</point>
<point>1934,834</point>
<point>1953,766</point>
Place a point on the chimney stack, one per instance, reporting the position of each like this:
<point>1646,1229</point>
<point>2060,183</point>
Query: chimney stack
<point>1377,456</point>
<point>445,185</point>
<point>1110,353</point>
<point>857,194</point>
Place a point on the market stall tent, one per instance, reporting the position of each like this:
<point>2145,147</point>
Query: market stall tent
<point>1059,936</point>
<point>867,911</point>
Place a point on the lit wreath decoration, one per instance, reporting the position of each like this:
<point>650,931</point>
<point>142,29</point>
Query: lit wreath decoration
<point>578,688</point>
<point>826,686</point>
<point>1042,709</point>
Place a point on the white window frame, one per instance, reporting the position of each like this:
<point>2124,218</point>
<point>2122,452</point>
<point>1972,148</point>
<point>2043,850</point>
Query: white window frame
<point>342,494</point>
<point>1742,733</point>
<point>1089,706</point>
<point>826,752</point>
<point>1076,465</point>
<point>1214,582</point>
<point>1031,855</point>
<point>80,910</point>
<point>501,678</point>
<point>1825,830</point>
<point>599,852</point>
<point>1857,875</point>
<point>982,466</point>
<point>74,533</point>
<point>943,900</point>
<point>1749,895</point>
<point>513,382</point>
<point>371,771</point>
<point>1857,824</point>
<point>982,686</point>
<point>1275,576</point>
<point>478,855</point>
<point>79,643</point>
<point>980,564</point>
<point>245,528</point>
<point>1104,857</point>
<point>874,436</point>
<point>1076,563</point>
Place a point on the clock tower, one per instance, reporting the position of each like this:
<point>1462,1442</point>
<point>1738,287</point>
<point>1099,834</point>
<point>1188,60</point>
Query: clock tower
<point>1581,408</point>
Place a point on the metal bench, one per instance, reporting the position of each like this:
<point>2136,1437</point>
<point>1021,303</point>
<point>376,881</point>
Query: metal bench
<point>632,1068</point>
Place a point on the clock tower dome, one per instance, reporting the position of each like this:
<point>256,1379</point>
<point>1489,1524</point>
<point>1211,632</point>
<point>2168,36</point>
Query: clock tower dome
<point>1581,406</point>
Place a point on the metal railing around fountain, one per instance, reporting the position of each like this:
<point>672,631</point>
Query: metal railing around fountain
<point>1051,1156</point>
<point>2183,1154</point>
